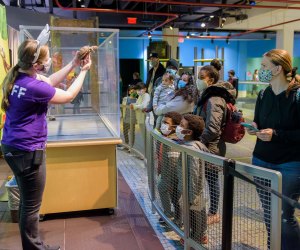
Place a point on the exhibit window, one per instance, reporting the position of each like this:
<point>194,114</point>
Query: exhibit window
<point>95,112</point>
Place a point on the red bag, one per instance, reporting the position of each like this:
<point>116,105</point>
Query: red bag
<point>232,130</point>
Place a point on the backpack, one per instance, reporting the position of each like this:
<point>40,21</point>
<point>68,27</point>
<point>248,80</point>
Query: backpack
<point>232,130</point>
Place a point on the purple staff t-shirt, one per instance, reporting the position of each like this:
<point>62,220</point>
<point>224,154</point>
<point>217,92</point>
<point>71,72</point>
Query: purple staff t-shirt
<point>25,127</point>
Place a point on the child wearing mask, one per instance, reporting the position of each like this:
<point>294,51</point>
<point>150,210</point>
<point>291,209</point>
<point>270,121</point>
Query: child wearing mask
<point>188,132</point>
<point>167,162</point>
<point>127,116</point>
<point>162,94</point>
<point>141,103</point>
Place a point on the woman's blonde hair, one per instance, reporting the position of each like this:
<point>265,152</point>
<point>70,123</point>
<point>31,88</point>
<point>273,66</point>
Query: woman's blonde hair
<point>282,57</point>
<point>26,52</point>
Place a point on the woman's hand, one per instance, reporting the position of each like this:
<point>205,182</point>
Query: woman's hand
<point>250,131</point>
<point>265,134</point>
<point>86,63</point>
<point>76,61</point>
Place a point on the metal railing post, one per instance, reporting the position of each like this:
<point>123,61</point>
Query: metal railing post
<point>185,201</point>
<point>131,124</point>
<point>227,217</point>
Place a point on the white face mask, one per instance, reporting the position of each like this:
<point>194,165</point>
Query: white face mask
<point>179,134</point>
<point>164,128</point>
<point>201,84</point>
<point>46,67</point>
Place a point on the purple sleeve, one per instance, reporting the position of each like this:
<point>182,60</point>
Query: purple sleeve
<point>43,92</point>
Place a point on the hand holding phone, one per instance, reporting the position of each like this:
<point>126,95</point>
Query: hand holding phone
<point>249,126</point>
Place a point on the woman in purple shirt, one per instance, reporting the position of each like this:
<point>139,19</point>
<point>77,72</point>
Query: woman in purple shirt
<point>26,95</point>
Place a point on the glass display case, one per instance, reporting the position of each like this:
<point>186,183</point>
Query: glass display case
<point>83,134</point>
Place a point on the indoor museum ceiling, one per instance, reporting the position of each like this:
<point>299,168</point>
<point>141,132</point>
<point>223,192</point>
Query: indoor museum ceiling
<point>134,16</point>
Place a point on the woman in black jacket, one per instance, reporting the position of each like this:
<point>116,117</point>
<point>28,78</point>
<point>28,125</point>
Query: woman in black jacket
<point>277,116</point>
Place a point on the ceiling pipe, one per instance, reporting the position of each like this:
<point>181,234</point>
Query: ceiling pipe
<point>243,6</point>
<point>170,16</point>
<point>235,35</point>
<point>280,1</point>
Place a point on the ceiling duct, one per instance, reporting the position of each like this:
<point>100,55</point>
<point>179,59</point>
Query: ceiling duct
<point>99,3</point>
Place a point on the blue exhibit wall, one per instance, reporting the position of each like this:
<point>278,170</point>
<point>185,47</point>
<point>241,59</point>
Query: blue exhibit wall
<point>242,56</point>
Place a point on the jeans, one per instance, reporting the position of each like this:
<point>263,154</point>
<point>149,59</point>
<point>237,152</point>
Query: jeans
<point>212,177</point>
<point>31,182</point>
<point>290,234</point>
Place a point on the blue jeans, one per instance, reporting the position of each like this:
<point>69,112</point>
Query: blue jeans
<point>290,234</point>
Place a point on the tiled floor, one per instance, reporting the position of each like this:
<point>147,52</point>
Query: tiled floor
<point>127,229</point>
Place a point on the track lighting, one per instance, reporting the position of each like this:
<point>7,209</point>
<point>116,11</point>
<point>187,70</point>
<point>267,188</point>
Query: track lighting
<point>222,22</point>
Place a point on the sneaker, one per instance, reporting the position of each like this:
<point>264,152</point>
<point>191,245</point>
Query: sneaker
<point>47,247</point>
<point>213,218</point>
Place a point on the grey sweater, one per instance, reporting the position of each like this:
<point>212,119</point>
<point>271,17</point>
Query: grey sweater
<point>177,104</point>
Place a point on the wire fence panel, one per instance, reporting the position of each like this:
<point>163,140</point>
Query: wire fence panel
<point>249,229</point>
<point>187,189</point>
<point>166,185</point>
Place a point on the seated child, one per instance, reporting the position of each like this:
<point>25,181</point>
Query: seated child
<point>189,130</point>
<point>162,94</point>
<point>167,162</point>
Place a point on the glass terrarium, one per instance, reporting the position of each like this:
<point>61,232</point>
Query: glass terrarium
<point>95,112</point>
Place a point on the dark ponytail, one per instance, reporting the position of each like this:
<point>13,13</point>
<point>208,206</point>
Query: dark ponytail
<point>8,84</point>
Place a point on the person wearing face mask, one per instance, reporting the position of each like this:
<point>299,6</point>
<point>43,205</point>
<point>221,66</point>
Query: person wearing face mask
<point>167,174</point>
<point>214,99</point>
<point>26,95</point>
<point>139,105</point>
<point>163,93</point>
<point>189,130</point>
<point>201,82</point>
<point>183,101</point>
<point>156,71</point>
<point>171,68</point>
<point>277,116</point>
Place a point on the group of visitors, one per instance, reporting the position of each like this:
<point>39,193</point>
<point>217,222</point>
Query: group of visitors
<point>191,112</point>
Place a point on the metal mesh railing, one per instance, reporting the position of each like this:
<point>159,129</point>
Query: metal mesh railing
<point>186,187</point>
<point>188,190</point>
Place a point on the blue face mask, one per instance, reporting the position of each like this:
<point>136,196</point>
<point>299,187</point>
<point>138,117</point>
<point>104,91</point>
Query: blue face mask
<point>265,75</point>
<point>171,71</point>
<point>181,84</point>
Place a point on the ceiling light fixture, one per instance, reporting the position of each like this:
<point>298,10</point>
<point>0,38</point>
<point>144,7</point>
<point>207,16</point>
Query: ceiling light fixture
<point>171,27</point>
<point>222,22</point>
<point>211,16</point>
<point>203,25</point>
